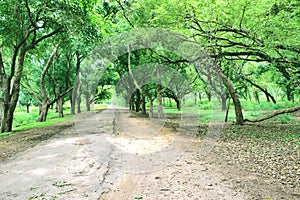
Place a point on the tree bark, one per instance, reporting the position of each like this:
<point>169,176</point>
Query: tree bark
<point>60,110</point>
<point>159,102</point>
<point>10,90</point>
<point>256,96</point>
<point>78,101</point>
<point>223,99</point>
<point>278,112</point>
<point>43,111</point>
<point>143,104</point>
<point>208,94</point>
<point>76,84</point>
<point>27,106</point>
<point>131,102</point>
<point>236,101</point>
<point>1,114</point>
<point>138,101</point>
<point>151,108</point>
<point>227,110</point>
<point>87,103</point>
<point>178,104</point>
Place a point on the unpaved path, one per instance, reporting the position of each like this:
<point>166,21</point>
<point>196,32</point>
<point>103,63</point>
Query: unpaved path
<point>127,158</point>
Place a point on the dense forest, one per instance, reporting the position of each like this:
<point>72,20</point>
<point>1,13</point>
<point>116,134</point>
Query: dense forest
<point>54,52</point>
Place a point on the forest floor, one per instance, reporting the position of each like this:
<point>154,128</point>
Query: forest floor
<point>121,155</point>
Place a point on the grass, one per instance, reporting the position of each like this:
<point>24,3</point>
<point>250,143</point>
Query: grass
<point>5,134</point>
<point>25,121</point>
<point>208,111</point>
<point>49,122</point>
<point>211,111</point>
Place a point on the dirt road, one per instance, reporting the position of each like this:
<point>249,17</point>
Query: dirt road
<point>115,155</point>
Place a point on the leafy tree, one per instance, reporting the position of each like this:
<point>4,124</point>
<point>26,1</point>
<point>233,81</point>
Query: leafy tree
<point>25,24</point>
<point>248,31</point>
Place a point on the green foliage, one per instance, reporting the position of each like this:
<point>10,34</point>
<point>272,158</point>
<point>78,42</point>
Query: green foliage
<point>266,106</point>
<point>205,104</point>
<point>254,39</point>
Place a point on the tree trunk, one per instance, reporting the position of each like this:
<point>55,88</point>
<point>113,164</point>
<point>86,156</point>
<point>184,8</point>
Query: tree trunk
<point>131,102</point>
<point>149,96</point>
<point>256,96</point>
<point>208,94</point>
<point>10,87</point>
<point>286,75</point>
<point>1,115</point>
<point>27,108</point>
<point>138,101</point>
<point>87,103</point>
<point>43,112</point>
<point>6,117</point>
<point>159,101</point>
<point>74,96</point>
<point>227,110</point>
<point>223,99</point>
<point>178,103</point>
<point>151,108</point>
<point>236,101</point>
<point>78,101</point>
<point>170,102</point>
<point>143,104</point>
<point>76,84</point>
<point>60,103</point>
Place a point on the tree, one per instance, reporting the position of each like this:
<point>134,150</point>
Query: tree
<point>249,31</point>
<point>25,25</point>
<point>30,28</point>
<point>49,87</point>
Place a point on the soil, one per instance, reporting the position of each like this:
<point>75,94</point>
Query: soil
<point>123,155</point>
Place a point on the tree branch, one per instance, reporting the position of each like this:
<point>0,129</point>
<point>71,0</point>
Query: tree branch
<point>2,70</point>
<point>29,14</point>
<point>60,96</point>
<point>34,43</point>
<point>278,112</point>
<point>124,14</point>
<point>45,70</point>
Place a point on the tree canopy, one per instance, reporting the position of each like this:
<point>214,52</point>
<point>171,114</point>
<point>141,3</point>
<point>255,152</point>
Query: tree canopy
<point>45,45</point>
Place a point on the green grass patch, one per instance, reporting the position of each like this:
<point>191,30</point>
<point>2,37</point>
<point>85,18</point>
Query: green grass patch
<point>25,121</point>
<point>265,105</point>
<point>49,122</point>
<point>210,111</point>
<point>5,134</point>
